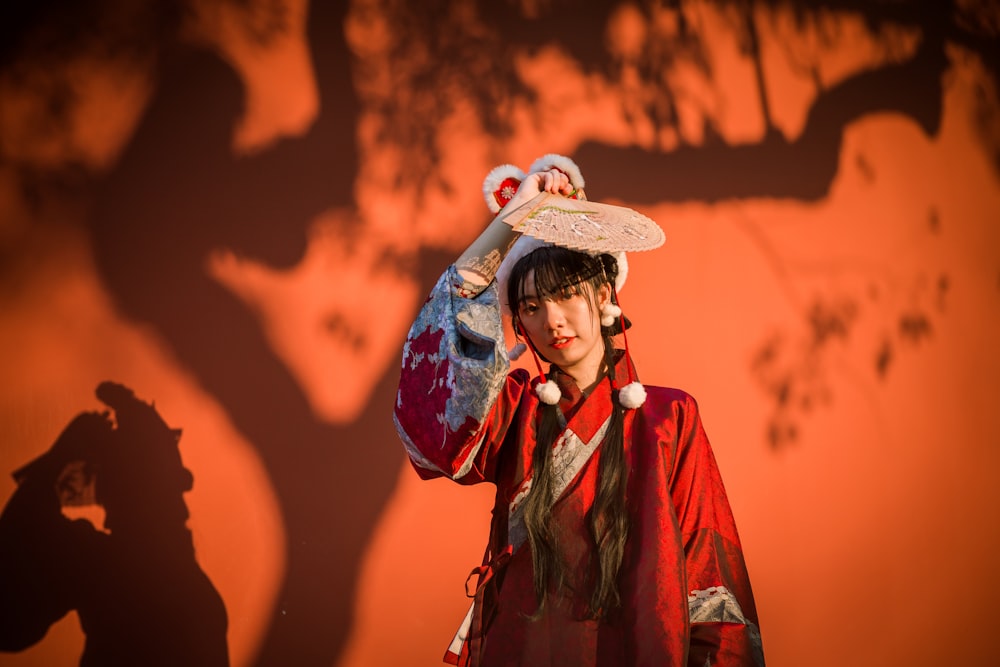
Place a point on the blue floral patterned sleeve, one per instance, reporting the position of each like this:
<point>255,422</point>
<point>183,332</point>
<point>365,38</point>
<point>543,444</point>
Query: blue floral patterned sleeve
<point>456,398</point>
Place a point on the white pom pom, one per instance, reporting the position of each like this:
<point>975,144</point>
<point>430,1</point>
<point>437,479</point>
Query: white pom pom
<point>548,392</point>
<point>632,395</point>
<point>515,352</point>
<point>609,312</point>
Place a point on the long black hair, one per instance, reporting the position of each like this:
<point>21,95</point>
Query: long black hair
<point>555,269</point>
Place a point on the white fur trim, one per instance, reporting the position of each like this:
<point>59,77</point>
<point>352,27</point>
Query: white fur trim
<point>632,395</point>
<point>609,313</point>
<point>622,270</point>
<point>548,392</point>
<point>493,180</point>
<point>562,162</point>
<point>515,352</point>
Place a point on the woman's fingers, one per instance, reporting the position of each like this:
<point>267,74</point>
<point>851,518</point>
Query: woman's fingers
<point>554,181</point>
<point>551,180</point>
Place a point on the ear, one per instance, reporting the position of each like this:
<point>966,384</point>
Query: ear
<point>604,295</point>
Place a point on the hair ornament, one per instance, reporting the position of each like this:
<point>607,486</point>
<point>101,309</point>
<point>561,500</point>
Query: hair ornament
<point>500,186</point>
<point>632,395</point>
<point>548,391</point>
<point>515,352</point>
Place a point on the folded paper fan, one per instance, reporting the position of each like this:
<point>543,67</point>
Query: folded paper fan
<point>580,224</point>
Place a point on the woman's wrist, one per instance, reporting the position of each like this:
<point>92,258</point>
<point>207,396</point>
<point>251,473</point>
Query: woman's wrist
<point>478,265</point>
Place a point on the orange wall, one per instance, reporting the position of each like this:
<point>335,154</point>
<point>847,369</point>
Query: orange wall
<point>868,520</point>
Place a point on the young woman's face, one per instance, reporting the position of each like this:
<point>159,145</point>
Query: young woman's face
<point>566,327</point>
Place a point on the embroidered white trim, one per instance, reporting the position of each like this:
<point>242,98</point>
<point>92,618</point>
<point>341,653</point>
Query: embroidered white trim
<point>463,633</point>
<point>519,497</point>
<point>714,605</point>
<point>717,604</point>
<point>569,455</point>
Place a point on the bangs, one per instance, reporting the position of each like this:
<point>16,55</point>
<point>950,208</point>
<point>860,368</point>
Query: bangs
<point>554,269</point>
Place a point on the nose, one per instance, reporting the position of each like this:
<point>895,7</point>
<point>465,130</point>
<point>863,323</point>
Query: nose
<point>554,316</point>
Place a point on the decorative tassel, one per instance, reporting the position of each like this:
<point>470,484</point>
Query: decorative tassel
<point>515,352</point>
<point>632,395</point>
<point>548,392</point>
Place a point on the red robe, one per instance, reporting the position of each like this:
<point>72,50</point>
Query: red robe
<point>686,597</point>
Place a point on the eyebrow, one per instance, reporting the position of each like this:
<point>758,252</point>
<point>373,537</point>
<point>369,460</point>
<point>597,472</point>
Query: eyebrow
<point>553,294</point>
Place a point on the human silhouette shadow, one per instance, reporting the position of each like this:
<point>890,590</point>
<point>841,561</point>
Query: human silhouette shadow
<point>179,193</point>
<point>141,597</point>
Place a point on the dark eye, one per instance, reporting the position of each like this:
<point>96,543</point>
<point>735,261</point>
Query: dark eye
<point>529,307</point>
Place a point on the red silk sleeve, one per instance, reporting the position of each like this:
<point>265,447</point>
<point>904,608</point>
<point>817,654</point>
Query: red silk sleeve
<point>724,626</point>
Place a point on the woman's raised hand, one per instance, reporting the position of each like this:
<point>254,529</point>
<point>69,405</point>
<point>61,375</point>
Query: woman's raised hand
<point>554,181</point>
<point>479,263</point>
<point>535,183</point>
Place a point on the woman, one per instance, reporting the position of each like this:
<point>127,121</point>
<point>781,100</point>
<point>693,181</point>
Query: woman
<point>612,542</point>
